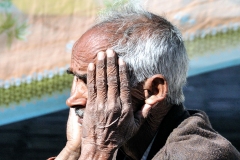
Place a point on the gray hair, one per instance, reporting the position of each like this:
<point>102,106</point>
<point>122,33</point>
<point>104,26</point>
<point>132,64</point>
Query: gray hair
<point>149,44</point>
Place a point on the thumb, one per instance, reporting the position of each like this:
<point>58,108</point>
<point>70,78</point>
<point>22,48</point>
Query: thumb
<point>145,110</point>
<point>149,104</point>
<point>140,115</point>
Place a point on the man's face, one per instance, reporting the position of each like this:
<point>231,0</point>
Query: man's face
<point>84,52</point>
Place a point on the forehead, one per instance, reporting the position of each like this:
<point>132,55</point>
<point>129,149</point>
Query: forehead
<point>86,48</point>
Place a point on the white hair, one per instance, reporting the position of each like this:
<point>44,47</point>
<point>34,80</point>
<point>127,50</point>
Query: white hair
<point>149,44</point>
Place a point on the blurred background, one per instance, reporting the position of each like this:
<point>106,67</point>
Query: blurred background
<point>36,38</point>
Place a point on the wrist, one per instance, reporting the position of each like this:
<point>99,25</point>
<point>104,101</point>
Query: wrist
<point>73,148</point>
<point>94,152</point>
<point>69,153</point>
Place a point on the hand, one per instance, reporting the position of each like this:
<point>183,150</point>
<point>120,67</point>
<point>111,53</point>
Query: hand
<point>74,130</point>
<point>108,120</point>
<point>73,146</point>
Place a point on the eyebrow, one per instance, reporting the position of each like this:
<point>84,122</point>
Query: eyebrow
<point>80,76</point>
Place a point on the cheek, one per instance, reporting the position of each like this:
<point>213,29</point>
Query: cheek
<point>82,89</point>
<point>137,103</point>
<point>79,88</point>
<point>138,99</point>
<point>73,85</point>
<point>138,95</point>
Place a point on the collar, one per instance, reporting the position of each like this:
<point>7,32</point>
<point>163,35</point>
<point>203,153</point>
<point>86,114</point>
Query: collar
<point>174,117</point>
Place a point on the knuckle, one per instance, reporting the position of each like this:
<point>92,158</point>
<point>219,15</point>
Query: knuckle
<point>91,101</point>
<point>115,111</point>
<point>125,110</point>
<point>111,61</point>
<point>90,73</point>
<point>111,104</point>
<point>124,79</point>
<point>112,92</point>
<point>112,80</point>
<point>101,82</point>
<point>91,86</point>
<point>100,106</point>
<point>89,109</point>
<point>100,64</point>
<point>122,69</point>
<point>101,96</point>
<point>100,74</point>
<point>126,98</point>
<point>112,71</point>
<point>124,85</point>
<point>91,89</point>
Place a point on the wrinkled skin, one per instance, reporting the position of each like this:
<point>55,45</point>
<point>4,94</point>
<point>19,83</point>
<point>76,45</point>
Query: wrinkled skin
<point>108,109</point>
<point>113,114</point>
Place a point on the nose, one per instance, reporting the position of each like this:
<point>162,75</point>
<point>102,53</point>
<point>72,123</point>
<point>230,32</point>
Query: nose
<point>79,94</point>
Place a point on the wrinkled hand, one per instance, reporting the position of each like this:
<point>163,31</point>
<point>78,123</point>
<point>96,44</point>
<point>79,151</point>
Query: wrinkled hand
<point>108,120</point>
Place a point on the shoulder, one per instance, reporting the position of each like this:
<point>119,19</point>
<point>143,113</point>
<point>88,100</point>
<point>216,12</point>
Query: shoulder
<point>195,138</point>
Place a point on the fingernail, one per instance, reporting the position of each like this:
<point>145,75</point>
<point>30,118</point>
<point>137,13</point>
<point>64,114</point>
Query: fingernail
<point>110,53</point>
<point>91,66</point>
<point>101,55</point>
<point>121,62</point>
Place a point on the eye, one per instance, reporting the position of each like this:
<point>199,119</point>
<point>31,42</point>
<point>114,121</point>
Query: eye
<point>84,79</point>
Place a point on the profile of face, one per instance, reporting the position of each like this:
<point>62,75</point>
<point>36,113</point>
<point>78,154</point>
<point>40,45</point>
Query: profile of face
<point>84,52</point>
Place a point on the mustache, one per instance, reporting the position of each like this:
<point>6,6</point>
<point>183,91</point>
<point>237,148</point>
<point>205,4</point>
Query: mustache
<point>79,112</point>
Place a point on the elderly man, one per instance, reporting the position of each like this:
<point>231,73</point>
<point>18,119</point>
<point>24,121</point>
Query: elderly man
<point>126,98</point>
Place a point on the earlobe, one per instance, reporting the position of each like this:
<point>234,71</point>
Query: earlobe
<point>155,89</point>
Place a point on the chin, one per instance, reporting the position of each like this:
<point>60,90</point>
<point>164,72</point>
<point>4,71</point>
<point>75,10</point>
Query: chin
<point>80,120</point>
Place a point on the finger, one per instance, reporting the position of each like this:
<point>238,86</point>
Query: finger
<point>112,78</point>
<point>145,110</point>
<point>91,86</point>
<point>124,86</point>
<point>90,107</point>
<point>101,79</point>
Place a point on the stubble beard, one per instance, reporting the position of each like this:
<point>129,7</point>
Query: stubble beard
<point>79,112</point>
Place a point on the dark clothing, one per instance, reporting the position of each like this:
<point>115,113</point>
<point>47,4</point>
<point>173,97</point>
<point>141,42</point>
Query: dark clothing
<point>187,134</point>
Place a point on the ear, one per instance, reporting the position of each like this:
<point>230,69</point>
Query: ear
<point>155,89</point>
